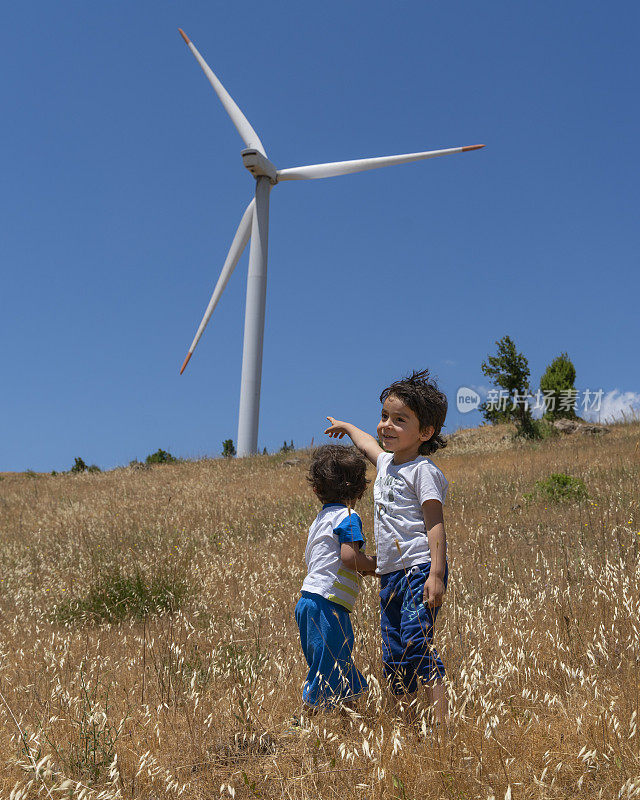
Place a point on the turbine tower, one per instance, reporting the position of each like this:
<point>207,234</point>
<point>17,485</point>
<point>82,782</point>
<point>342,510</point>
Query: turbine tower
<point>254,225</point>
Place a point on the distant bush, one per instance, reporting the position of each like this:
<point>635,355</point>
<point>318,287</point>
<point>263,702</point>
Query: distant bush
<point>540,429</point>
<point>527,428</point>
<point>546,430</point>
<point>160,457</point>
<point>287,448</point>
<point>29,473</point>
<point>559,487</point>
<point>117,596</point>
<point>79,467</point>
<point>228,448</point>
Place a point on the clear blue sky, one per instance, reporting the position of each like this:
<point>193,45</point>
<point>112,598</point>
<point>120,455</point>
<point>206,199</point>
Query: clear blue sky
<point>122,186</point>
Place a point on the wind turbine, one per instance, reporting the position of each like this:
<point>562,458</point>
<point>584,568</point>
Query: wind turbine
<point>254,225</point>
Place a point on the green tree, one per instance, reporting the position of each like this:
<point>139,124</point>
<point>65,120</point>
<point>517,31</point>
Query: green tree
<point>228,449</point>
<point>509,370</point>
<point>160,457</point>
<point>557,383</point>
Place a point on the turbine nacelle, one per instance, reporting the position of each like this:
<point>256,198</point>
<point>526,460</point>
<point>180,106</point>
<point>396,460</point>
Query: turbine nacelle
<point>258,165</point>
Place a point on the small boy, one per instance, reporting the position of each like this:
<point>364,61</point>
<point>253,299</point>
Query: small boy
<point>409,494</point>
<point>334,558</point>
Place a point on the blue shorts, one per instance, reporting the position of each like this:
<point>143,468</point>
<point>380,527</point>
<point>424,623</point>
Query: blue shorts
<point>407,624</point>
<point>326,636</point>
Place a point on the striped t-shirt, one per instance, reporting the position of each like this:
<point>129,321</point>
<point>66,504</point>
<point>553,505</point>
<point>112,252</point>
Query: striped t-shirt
<point>326,574</point>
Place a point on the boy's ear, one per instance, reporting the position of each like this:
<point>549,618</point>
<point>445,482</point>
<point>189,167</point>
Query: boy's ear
<point>427,433</point>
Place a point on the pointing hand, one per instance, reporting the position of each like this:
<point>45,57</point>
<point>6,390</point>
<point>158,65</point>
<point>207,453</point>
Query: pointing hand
<point>337,429</point>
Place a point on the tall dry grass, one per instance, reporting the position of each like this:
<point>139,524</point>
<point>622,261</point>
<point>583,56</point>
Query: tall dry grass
<point>148,647</point>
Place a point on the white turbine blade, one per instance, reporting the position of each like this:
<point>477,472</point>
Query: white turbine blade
<point>335,168</point>
<point>250,137</point>
<point>235,251</point>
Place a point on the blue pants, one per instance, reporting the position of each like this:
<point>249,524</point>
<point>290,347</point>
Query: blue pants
<point>407,630</point>
<point>326,636</point>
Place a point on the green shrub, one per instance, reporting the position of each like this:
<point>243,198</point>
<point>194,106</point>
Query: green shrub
<point>546,430</point>
<point>538,429</point>
<point>115,597</point>
<point>527,427</point>
<point>559,487</point>
<point>79,466</point>
<point>228,448</point>
<point>160,457</point>
<point>93,468</point>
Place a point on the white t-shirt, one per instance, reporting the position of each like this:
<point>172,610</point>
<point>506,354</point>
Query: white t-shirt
<point>399,492</point>
<point>326,574</point>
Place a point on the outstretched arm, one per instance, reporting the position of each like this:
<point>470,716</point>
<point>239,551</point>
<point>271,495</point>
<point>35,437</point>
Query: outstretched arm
<point>365,443</point>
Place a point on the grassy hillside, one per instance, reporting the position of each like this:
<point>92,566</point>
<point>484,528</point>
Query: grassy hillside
<point>148,647</point>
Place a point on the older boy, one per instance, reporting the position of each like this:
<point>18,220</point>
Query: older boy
<point>409,494</point>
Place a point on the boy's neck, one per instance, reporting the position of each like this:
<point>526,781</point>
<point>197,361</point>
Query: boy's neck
<point>403,456</point>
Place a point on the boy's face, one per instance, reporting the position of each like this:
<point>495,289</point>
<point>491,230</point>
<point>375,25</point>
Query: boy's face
<point>399,429</point>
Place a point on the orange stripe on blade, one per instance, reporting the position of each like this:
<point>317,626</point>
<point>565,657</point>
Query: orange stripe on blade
<point>186,361</point>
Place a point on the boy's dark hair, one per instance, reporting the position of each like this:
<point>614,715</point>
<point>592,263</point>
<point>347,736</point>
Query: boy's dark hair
<point>421,394</point>
<point>338,474</point>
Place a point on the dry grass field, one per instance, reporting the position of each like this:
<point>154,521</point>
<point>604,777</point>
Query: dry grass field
<point>148,647</point>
